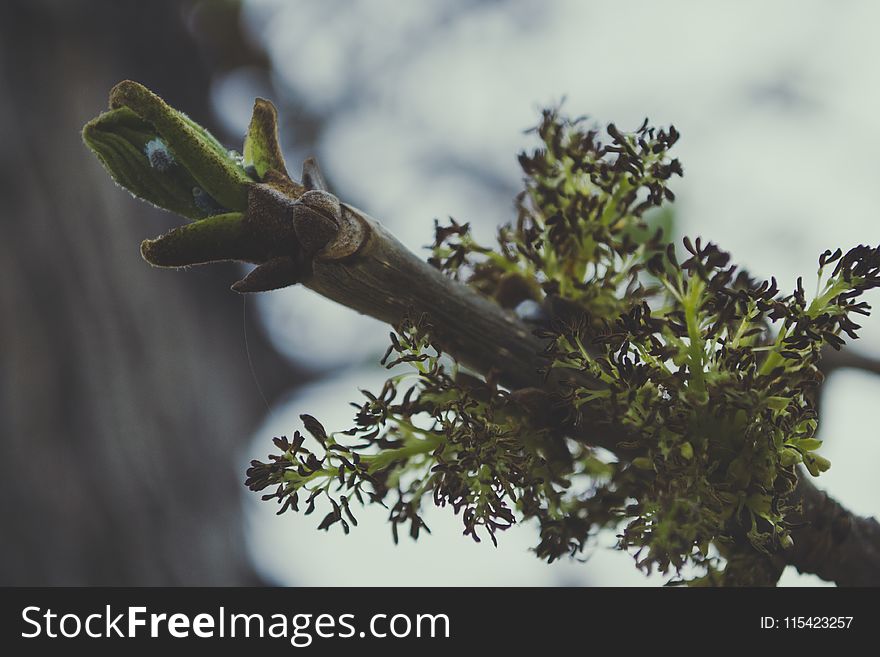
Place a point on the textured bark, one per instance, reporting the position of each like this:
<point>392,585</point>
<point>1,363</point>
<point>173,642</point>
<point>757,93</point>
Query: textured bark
<point>833,543</point>
<point>125,393</point>
<point>386,281</point>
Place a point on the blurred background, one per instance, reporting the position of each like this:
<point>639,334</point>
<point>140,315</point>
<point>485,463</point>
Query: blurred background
<point>132,399</point>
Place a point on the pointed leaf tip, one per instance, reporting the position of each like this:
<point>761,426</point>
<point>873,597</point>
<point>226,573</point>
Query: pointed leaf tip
<point>217,238</point>
<point>262,149</point>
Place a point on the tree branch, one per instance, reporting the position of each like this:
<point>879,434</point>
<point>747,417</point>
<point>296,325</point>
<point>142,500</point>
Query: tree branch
<point>848,358</point>
<point>365,268</point>
<point>248,209</point>
<point>376,275</point>
<point>833,543</point>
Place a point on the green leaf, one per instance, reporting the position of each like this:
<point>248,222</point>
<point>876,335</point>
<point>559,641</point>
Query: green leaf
<point>193,146</point>
<point>221,237</point>
<point>759,504</point>
<point>790,456</point>
<point>816,464</point>
<point>119,138</point>
<point>261,148</point>
<point>778,403</point>
<point>808,444</point>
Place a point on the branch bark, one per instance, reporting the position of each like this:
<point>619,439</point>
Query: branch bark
<point>365,268</point>
<point>844,359</point>
<point>833,543</point>
<point>369,270</point>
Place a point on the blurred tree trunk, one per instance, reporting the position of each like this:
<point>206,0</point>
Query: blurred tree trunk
<point>125,393</point>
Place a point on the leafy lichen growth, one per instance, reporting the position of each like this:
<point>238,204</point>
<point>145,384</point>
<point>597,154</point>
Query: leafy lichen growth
<point>711,372</point>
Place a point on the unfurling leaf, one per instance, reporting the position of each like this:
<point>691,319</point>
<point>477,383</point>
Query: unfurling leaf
<point>129,148</point>
<point>163,157</point>
<point>261,148</point>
